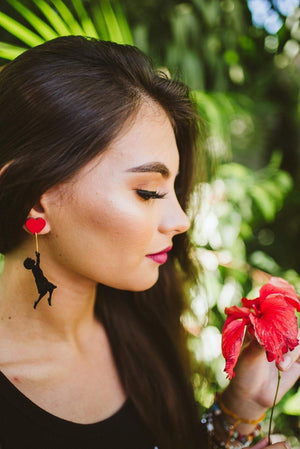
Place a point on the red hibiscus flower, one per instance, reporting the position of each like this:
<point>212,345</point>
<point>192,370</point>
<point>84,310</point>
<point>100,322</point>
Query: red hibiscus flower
<point>270,318</point>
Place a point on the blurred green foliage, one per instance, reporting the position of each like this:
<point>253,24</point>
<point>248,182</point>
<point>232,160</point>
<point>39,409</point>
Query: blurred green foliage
<point>245,83</point>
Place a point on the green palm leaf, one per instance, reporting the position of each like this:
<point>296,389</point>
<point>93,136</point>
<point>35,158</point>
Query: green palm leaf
<point>10,52</point>
<point>39,25</point>
<point>100,23</point>
<point>86,22</point>
<point>112,25</point>
<point>68,17</point>
<point>53,18</point>
<point>105,23</point>
<point>111,21</point>
<point>19,30</point>
<point>123,25</point>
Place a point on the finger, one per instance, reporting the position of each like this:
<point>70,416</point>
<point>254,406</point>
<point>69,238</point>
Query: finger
<point>281,445</point>
<point>261,444</point>
<point>290,357</point>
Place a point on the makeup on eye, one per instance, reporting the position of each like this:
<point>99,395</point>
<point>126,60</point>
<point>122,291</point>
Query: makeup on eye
<point>150,194</point>
<point>148,174</point>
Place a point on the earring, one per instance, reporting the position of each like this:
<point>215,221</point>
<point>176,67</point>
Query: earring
<point>36,225</point>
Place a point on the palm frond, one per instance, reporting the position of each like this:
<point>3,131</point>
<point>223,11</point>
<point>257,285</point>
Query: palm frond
<point>86,22</point>
<point>10,52</point>
<point>53,18</point>
<point>39,25</point>
<point>20,31</point>
<point>105,23</point>
<point>123,24</point>
<point>111,21</point>
<point>68,17</point>
<point>100,22</point>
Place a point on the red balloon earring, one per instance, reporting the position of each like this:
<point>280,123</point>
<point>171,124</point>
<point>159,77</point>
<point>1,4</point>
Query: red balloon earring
<point>36,225</point>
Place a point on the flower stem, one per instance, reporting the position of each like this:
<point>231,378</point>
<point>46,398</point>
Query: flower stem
<point>274,403</point>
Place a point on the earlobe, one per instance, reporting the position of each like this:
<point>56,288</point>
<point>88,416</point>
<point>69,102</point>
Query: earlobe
<point>32,225</point>
<point>36,220</point>
<point>35,225</point>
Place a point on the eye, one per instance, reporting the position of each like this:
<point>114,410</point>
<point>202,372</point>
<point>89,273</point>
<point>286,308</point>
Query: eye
<point>150,194</point>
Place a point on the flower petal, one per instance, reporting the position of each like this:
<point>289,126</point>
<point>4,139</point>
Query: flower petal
<point>278,285</point>
<point>276,326</point>
<point>235,312</point>
<point>251,303</point>
<point>232,339</point>
<point>293,302</point>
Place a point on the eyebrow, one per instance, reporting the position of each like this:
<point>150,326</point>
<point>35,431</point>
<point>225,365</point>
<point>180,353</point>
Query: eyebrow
<point>154,167</point>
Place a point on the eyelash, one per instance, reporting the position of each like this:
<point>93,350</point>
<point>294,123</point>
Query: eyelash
<point>150,194</point>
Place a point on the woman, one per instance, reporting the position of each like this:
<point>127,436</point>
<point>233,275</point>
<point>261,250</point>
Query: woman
<point>95,143</point>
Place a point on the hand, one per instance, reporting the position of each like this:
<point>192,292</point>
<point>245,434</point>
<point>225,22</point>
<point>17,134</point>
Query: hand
<point>253,388</point>
<point>256,378</point>
<point>262,444</point>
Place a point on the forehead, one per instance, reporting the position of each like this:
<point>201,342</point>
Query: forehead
<point>147,138</point>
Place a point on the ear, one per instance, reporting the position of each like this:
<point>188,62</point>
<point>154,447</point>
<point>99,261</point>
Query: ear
<point>38,211</point>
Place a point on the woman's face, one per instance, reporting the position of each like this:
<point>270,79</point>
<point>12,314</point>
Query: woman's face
<point>103,226</point>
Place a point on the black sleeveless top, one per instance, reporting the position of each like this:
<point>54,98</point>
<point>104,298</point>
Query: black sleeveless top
<point>24,425</point>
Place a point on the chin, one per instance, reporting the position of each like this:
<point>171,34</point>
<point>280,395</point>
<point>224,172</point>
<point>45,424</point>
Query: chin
<point>143,289</point>
<point>142,284</point>
<point>138,282</point>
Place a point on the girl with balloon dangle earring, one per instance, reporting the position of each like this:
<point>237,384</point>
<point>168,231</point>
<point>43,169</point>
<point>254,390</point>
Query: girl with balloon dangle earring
<point>35,225</point>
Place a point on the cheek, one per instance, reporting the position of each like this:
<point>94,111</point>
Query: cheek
<point>106,240</point>
<point>120,219</point>
<point>117,227</point>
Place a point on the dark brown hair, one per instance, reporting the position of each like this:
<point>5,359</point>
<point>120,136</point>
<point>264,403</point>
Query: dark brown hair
<point>61,104</point>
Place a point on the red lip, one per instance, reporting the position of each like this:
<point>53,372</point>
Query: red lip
<point>166,250</point>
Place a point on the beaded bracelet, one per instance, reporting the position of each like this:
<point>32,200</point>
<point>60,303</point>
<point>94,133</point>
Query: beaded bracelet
<point>234,440</point>
<point>237,418</point>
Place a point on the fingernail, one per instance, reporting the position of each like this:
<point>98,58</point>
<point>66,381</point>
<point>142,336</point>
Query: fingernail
<point>286,362</point>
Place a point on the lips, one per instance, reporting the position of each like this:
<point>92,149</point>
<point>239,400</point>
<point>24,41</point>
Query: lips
<point>160,257</point>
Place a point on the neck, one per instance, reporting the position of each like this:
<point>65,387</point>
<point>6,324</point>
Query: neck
<point>69,316</point>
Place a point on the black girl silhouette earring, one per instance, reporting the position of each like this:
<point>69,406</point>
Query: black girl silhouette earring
<point>36,225</point>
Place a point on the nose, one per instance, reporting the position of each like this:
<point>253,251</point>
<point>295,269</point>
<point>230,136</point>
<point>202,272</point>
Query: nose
<point>174,220</point>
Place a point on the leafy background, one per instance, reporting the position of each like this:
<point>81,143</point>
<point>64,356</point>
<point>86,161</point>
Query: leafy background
<point>242,61</point>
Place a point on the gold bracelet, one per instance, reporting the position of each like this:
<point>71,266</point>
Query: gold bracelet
<point>236,417</point>
<point>232,438</point>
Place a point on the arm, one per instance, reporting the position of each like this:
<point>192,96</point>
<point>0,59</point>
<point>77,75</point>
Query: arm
<point>37,258</point>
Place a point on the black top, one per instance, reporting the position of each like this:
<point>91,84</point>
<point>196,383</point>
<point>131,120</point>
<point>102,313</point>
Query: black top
<point>24,425</point>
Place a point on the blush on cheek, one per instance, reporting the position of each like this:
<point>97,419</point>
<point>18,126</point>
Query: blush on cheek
<point>102,234</point>
<point>118,222</point>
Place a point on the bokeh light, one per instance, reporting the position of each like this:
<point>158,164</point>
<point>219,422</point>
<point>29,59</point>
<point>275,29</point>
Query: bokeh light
<point>267,14</point>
